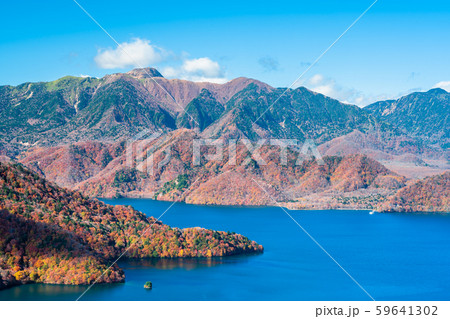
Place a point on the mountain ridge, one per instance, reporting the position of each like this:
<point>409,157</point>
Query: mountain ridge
<point>421,114</point>
<point>73,129</point>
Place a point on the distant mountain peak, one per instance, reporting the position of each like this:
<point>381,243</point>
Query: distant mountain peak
<point>145,73</point>
<point>438,91</point>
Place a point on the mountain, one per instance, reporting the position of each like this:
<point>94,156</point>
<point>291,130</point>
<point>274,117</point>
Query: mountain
<point>424,115</point>
<point>301,114</point>
<point>432,194</point>
<point>311,185</point>
<point>121,105</point>
<point>175,94</point>
<point>117,106</point>
<point>76,132</point>
<point>257,113</point>
<point>102,170</point>
<point>49,234</point>
<point>78,109</point>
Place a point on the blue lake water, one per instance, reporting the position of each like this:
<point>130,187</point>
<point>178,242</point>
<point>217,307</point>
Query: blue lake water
<point>393,256</point>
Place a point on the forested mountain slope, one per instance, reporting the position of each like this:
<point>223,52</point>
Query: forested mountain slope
<point>424,115</point>
<point>432,194</point>
<point>52,235</point>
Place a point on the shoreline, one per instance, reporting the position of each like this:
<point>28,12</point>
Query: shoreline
<point>282,204</point>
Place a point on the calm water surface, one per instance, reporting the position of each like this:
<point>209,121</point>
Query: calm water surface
<point>393,256</point>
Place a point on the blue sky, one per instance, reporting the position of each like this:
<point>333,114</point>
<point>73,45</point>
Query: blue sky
<point>396,48</point>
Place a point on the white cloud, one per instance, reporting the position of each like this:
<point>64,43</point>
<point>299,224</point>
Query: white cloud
<point>328,86</point>
<point>316,79</point>
<point>197,70</point>
<point>86,76</point>
<point>443,85</point>
<point>170,72</point>
<point>202,66</point>
<point>219,80</point>
<point>136,53</point>
<point>141,53</point>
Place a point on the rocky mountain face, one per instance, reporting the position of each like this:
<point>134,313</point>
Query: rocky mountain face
<point>424,115</point>
<point>52,235</point>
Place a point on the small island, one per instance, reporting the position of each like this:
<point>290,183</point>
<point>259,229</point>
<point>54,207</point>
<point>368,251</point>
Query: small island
<point>148,285</point>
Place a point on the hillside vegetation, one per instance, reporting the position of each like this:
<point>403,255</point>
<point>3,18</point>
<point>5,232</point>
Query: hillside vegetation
<point>432,194</point>
<point>424,115</point>
<point>52,235</point>
<point>213,181</point>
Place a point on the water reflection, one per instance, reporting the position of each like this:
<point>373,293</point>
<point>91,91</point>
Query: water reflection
<point>181,263</point>
<point>46,292</point>
<point>135,272</point>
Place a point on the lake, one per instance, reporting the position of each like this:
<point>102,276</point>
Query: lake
<point>393,256</point>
